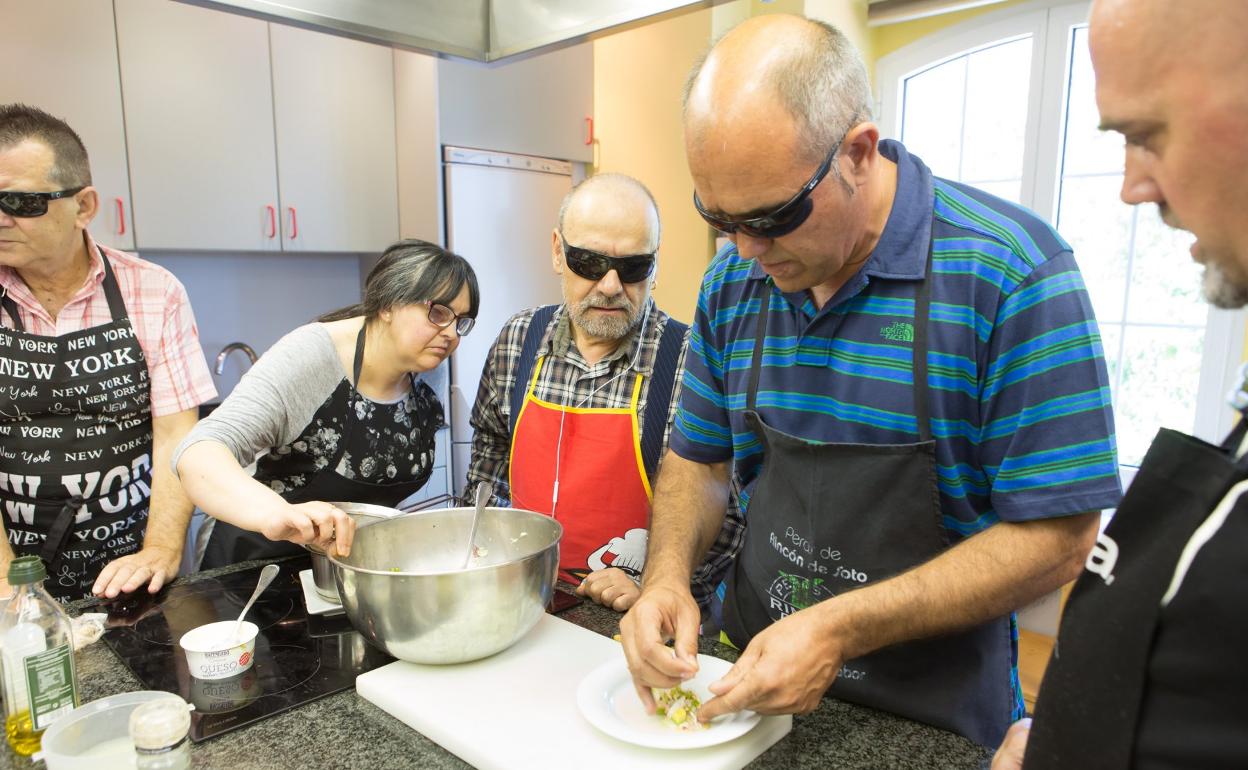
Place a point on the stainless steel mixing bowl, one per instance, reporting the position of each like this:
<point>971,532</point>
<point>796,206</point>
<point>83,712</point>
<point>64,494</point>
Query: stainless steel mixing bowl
<point>322,570</point>
<point>403,589</point>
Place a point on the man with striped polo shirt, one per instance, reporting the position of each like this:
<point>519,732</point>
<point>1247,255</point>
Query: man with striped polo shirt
<point>904,375</point>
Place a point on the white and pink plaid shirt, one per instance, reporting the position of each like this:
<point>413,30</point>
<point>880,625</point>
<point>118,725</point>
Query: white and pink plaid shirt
<point>160,313</point>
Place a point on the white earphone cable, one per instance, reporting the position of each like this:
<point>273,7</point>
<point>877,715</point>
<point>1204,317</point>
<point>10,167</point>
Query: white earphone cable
<point>641,329</point>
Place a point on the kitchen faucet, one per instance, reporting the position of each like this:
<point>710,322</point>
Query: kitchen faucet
<point>230,348</point>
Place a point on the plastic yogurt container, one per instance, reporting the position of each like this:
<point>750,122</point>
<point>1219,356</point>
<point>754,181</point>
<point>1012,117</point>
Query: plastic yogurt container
<point>213,653</point>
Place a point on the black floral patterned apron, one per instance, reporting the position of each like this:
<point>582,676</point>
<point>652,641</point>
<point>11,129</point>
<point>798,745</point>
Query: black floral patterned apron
<point>75,444</point>
<point>229,544</point>
<point>825,518</point>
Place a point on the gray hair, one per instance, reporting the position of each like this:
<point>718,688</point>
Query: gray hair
<point>823,86</point>
<point>618,181</point>
<point>409,272</point>
<point>70,167</point>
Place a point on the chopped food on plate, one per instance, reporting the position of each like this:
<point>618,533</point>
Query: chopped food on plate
<point>678,707</point>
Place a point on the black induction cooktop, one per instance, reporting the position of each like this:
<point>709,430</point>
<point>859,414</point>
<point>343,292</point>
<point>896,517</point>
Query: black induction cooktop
<point>298,657</point>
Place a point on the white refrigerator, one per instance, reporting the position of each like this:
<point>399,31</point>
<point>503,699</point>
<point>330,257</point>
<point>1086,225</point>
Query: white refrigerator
<point>500,210</point>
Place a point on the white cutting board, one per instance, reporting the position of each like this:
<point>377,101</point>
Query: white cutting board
<point>518,708</point>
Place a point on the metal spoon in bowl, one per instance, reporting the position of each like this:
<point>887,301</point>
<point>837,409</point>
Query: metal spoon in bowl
<point>485,490</point>
<point>266,576</point>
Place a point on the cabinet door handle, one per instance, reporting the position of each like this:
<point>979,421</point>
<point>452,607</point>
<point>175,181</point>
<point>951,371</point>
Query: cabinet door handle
<point>272,221</point>
<point>294,222</point>
<point>589,130</point>
<point>121,216</point>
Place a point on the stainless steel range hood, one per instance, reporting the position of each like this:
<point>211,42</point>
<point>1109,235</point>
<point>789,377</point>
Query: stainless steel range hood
<point>483,30</point>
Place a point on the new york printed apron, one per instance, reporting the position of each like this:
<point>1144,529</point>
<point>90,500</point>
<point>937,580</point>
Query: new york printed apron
<point>75,444</point>
<point>229,544</point>
<point>592,480</point>
<point>826,518</point>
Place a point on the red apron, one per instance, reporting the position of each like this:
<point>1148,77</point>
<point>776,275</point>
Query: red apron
<point>584,467</point>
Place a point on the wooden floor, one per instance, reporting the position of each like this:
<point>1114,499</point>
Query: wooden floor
<point>1033,656</point>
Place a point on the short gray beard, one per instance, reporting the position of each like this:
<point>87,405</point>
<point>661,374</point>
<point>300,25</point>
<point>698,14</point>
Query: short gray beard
<point>1221,289</point>
<point>605,328</point>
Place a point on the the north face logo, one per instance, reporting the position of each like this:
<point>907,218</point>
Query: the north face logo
<point>898,331</point>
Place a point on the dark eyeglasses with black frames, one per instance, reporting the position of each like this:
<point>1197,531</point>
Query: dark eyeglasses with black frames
<point>781,220</point>
<point>593,265</point>
<point>442,316</point>
<point>27,205</point>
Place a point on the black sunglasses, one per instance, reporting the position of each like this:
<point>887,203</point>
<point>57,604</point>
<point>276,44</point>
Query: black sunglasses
<point>442,316</point>
<point>592,266</point>
<point>27,205</point>
<point>781,220</point>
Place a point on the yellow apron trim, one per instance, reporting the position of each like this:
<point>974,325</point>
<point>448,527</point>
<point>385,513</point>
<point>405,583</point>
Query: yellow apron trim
<point>511,449</point>
<point>641,463</point>
<point>630,410</point>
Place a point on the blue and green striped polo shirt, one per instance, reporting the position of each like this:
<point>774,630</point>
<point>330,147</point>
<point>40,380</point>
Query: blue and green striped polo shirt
<point>1020,396</point>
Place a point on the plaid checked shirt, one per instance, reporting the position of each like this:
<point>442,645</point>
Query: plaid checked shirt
<point>566,378</point>
<point>159,312</point>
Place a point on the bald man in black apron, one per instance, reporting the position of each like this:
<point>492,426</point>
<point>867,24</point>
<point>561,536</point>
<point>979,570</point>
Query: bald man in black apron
<point>1151,663</point>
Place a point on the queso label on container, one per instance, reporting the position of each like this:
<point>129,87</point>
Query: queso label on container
<point>50,680</point>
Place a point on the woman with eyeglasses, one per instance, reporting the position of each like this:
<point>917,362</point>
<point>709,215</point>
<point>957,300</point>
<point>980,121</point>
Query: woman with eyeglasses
<point>333,412</point>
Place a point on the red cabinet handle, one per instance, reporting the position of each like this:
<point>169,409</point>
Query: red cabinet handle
<point>294,222</point>
<point>121,216</point>
<point>272,221</point>
<point>589,130</point>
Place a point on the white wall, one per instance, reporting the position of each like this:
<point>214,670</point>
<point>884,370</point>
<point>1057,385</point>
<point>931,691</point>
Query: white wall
<point>257,298</point>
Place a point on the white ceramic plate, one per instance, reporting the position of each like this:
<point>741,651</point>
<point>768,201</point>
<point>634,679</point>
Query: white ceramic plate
<point>608,701</point>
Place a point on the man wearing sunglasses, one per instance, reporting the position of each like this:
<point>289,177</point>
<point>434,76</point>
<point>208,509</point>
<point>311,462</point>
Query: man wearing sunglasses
<point>905,378</point>
<point>102,373</point>
<point>575,401</point>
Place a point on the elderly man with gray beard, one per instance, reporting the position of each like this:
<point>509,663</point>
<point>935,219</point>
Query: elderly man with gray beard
<point>1150,670</point>
<point>576,400</point>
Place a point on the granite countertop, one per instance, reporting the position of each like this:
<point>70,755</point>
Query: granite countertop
<point>344,730</point>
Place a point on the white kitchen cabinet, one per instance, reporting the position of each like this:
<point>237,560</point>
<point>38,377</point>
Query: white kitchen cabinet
<point>541,105</point>
<point>419,150</point>
<point>333,102</point>
<point>199,127</point>
<point>62,58</point>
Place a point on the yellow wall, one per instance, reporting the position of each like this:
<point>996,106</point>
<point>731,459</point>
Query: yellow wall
<point>890,37</point>
<point>638,77</point>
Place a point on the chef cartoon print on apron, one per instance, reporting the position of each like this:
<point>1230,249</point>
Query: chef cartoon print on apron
<point>590,468</point>
<point>826,518</point>
<point>583,467</point>
<point>75,444</point>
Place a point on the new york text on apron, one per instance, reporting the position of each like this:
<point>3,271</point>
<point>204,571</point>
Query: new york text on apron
<point>75,444</point>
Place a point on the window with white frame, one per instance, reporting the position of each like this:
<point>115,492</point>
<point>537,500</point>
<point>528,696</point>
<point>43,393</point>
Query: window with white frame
<point>1006,103</point>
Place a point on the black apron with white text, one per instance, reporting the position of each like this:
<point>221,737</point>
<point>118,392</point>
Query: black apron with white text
<point>826,518</point>
<point>1133,683</point>
<point>229,544</point>
<point>75,444</point>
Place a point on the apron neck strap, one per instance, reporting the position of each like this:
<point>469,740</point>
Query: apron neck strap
<point>922,305</point>
<point>10,307</point>
<point>112,291</point>
<point>760,338</point>
<point>358,365</point>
